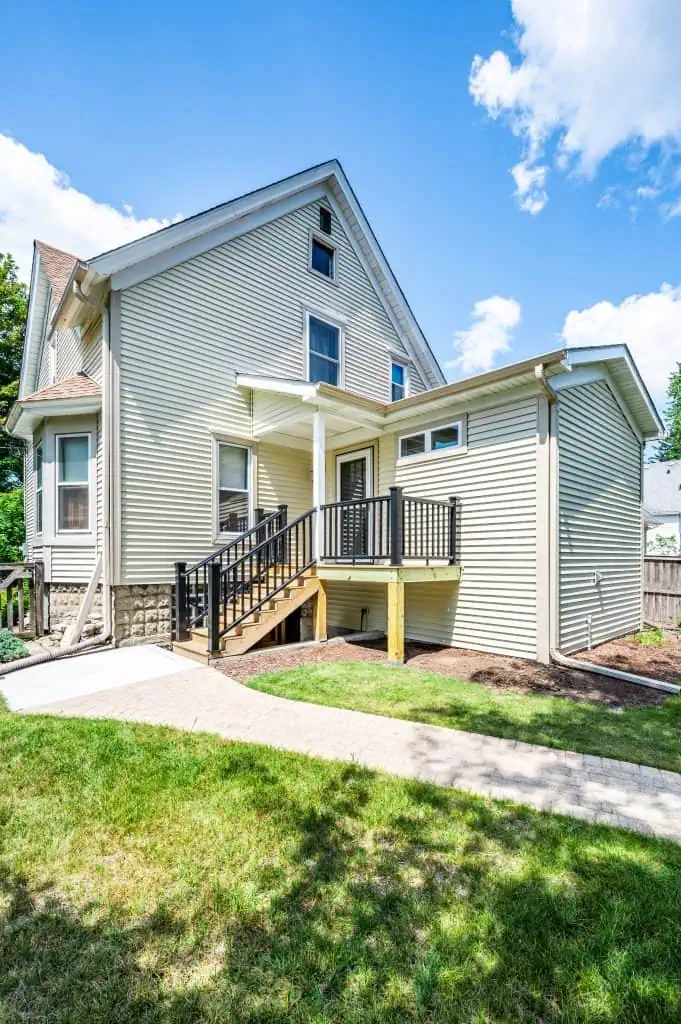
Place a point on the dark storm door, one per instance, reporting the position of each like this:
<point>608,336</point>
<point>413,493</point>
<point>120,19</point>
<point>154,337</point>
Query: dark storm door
<point>354,484</point>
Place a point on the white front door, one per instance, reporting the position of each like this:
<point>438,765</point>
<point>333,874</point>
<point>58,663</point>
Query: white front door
<point>354,483</point>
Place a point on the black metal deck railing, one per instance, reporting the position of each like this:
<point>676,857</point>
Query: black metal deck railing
<point>390,528</point>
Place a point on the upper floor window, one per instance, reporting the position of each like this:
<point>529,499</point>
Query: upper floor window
<point>398,381</point>
<point>433,440</point>
<point>324,351</point>
<point>73,482</point>
<point>38,476</point>
<point>323,258</point>
<point>234,488</point>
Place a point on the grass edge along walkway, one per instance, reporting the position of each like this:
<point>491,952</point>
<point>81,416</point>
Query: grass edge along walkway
<point>649,736</point>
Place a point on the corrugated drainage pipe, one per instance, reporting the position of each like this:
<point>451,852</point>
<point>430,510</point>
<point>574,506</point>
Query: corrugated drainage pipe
<point>55,654</point>
<point>614,673</point>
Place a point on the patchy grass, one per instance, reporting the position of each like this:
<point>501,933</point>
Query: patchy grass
<point>649,736</point>
<point>150,875</point>
<point>652,637</point>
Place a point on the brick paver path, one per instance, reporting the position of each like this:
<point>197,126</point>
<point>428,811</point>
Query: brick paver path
<point>594,788</point>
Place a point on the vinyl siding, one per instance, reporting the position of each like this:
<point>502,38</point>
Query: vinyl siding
<point>284,478</point>
<point>72,564</point>
<point>184,335</point>
<point>73,355</point>
<point>493,608</point>
<point>600,518</point>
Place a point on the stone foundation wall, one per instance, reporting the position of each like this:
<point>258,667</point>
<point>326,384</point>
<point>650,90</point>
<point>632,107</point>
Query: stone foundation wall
<point>64,601</point>
<point>142,614</point>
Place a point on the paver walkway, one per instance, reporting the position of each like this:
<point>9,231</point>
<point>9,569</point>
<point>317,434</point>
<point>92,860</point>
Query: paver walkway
<point>598,789</point>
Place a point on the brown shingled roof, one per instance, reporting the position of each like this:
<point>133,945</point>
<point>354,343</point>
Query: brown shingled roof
<point>58,266</point>
<point>80,386</point>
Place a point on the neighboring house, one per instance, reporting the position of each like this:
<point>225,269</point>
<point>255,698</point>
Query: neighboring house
<point>178,390</point>
<point>662,501</point>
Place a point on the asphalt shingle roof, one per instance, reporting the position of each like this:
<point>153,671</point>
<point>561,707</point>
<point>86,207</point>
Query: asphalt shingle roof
<point>80,386</point>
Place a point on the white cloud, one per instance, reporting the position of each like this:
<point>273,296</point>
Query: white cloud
<point>592,77</point>
<point>37,201</point>
<point>490,333</point>
<point>649,324</point>
<point>529,186</point>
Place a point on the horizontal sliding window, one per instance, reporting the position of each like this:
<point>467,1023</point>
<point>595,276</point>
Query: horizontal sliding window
<point>432,440</point>
<point>73,482</point>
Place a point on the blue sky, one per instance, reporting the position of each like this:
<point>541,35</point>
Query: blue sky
<point>172,109</point>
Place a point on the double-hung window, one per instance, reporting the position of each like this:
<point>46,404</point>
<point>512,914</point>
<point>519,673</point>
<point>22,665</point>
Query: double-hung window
<point>234,488</point>
<point>73,482</point>
<point>324,351</point>
<point>398,381</point>
<point>38,477</point>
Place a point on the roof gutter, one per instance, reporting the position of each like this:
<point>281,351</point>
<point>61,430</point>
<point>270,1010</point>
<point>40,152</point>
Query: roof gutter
<point>542,384</point>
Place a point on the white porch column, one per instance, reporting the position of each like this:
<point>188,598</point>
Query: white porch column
<point>318,477</point>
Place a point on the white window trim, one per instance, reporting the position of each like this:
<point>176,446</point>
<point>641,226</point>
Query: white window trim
<point>405,367</point>
<point>316,235</point>
<point>250,474</point>
<point>39,490</point>
<point>58,438</point>
<point>430,452</point>
<point>333,321</point>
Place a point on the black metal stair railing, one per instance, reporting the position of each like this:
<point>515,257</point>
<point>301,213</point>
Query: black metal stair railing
<point>191,582</point>
<point>245,585</point>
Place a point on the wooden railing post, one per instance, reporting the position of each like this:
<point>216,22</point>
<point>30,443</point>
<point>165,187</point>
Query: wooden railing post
<point>214,607</point>
<point>452,529</point>
<point>181,616</point>
<point>396,526</point>
<point>39,597</point>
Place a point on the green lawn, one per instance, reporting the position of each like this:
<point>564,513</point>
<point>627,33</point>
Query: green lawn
<point>650,736</point>
<point>148,875</point>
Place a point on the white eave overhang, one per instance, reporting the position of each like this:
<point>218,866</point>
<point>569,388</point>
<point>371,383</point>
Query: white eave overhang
<point>25,417</point>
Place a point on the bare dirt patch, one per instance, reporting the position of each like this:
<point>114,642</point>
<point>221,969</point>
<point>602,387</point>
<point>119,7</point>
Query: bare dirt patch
<point>494,671</point>
<point>626,654</point>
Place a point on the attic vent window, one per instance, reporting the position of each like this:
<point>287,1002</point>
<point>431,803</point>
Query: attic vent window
<point>325,220</point>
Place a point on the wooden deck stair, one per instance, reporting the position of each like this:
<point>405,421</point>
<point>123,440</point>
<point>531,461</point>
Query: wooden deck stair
<point>257,625</point>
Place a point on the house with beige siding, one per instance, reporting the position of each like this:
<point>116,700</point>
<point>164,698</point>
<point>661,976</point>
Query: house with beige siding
<point>237,434</point>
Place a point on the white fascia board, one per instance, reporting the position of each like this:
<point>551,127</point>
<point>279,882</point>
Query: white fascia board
<point>277,385</point>
<point>155,264</point>
<point>33,318</point>
<point>24,418</point>
<point>606,353</point>
<point>117,260</point>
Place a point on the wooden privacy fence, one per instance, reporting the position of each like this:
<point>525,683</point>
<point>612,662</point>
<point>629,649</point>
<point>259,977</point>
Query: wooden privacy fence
<point>22,593</point>
<point>662,590</point>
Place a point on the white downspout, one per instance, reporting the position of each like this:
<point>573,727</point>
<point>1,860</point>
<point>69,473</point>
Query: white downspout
<point>106,468</point>
<point>588,666</point>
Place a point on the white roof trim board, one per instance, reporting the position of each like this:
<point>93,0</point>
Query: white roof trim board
<point>178,242</point>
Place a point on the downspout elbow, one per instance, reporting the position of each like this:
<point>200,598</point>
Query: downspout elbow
<point>542,383</point>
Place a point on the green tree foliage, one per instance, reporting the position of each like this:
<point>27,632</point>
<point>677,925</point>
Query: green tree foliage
<point>11,525</point>
<point>13,309</point>
<point>670,448</point>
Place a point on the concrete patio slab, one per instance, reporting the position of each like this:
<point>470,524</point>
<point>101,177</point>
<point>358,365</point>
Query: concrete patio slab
<point>593,788</point>
<point>87,674</point>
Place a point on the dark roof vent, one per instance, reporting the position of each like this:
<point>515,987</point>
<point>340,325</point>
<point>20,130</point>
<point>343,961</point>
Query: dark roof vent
<point>325,220</point>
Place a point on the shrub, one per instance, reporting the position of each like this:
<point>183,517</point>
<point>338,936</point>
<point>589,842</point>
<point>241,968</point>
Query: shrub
<point>12,647</point>
<point>11,525</point>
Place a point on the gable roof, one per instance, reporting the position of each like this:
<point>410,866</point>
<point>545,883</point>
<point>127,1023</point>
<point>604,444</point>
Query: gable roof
<point>662,487</point>
<point>58,266</point>
<point>143,258</point>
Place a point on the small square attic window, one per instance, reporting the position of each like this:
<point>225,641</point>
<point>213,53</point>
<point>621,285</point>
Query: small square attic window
<point>325,220</point>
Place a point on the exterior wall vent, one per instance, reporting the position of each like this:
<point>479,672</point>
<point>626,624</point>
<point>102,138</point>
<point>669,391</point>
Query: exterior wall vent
<point>325,220</point>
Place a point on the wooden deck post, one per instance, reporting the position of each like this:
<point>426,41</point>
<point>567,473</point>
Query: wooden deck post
<point>39,596</point>
<point>320,629</point>
<point>396,621</point>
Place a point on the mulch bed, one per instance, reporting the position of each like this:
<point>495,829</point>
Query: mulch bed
<point>497,672</point>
